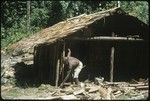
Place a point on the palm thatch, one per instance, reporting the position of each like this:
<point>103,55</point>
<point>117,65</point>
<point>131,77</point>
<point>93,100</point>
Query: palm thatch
<point>60,30</point>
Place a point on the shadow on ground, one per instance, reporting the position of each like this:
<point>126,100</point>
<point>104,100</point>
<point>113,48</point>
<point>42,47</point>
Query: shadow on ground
<point>26,76</point>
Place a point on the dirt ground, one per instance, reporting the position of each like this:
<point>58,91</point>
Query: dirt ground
<point>97,90</point>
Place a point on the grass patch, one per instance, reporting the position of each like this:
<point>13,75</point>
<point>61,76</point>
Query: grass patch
<point>12,93</point>
<point>12,38</point>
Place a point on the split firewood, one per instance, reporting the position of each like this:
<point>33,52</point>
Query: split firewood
<point>67,84</point>
<point>139,84</point>
<point>114,83</point>
<point>87,88</point>
<point>93,89</point>
<point>134,81</point>
<point>117,92</point>
<point>78,92</point>
<point>64,97</point>
<point>105,93</point>
<point>128,88</point>
<point>50,98</point>
<point>86,94</point>
<point>69,97</point>
<point>98,81</point>
<point>97,98</point>
<point>142,87</point>
<point>67,90</point>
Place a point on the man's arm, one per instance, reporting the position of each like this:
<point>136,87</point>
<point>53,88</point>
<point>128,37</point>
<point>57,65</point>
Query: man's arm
<point>69,53</point>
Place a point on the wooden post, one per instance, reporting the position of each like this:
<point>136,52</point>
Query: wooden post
<point>62,65</point>
<point>112,61</point>
<point>112,64</point>
<point>57,73</point>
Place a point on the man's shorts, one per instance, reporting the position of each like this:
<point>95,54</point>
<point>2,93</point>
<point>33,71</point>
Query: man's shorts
<point>78,70</point>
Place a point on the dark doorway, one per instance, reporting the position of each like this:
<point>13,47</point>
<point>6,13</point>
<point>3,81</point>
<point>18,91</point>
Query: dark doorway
<point>131,59</point>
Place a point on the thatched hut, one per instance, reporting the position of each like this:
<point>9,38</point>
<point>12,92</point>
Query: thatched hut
<point>102,41</point>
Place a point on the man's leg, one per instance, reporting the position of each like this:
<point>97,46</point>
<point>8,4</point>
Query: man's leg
<point>76,72</point>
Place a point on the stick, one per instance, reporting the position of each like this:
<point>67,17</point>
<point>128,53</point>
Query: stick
<point>65,78</point>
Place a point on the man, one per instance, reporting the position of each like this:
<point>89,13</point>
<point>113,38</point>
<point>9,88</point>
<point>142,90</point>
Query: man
<point>74,64</point>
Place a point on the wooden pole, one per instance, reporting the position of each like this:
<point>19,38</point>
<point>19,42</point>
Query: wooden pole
<point>112,61</point>
<point>57,73</point>
<point>112,64</point>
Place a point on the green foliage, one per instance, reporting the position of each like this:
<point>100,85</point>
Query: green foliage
<point>47,13</point>
<point>138,9</point>
<point>55,13</point>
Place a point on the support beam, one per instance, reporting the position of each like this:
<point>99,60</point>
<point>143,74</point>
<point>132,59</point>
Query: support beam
<point>108,38</point>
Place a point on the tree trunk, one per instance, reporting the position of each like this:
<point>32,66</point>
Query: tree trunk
<point>28,16</point>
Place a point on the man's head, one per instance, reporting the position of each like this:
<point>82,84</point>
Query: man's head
<point>64,59</point>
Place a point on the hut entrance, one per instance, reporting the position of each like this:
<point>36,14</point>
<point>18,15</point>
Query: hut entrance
<point>95,55</point>
<point>130,60</point>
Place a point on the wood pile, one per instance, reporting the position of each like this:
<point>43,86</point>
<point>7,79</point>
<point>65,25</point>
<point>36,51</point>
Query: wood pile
<point>103,91</point>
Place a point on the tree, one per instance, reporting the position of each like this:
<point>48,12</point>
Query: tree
<point>18,17</point>
<point>28,15</point>
<point>55,13</point>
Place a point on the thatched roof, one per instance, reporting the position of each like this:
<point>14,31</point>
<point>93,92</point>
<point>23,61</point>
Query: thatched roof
<point>60,30</point>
